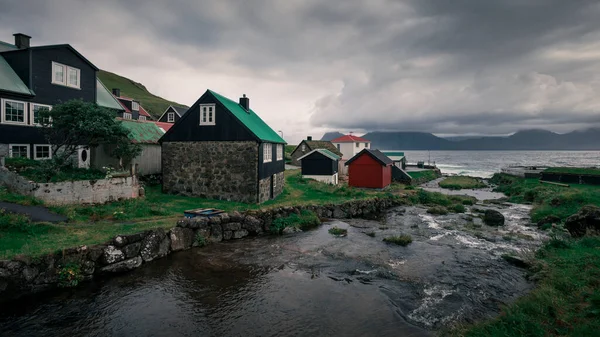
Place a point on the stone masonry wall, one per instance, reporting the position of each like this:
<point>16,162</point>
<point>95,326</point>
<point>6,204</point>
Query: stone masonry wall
<point>214,170</point>
<point>3,153</point>
<point>73,192</point>
<point>264,187</point>
<point>23,275</point>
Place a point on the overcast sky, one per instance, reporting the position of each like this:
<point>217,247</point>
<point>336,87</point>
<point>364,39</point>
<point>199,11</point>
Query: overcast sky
<point>308,66</point>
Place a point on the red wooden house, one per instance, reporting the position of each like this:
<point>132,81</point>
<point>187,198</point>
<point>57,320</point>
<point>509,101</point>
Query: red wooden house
<point>370,168</point>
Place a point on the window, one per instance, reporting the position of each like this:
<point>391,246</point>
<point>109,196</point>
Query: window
<point>303,148</point>
<point>42,152</point>
<point>35,108</point>
<point>135,106</point>
<point>366,145</point>
<point>19,151</point>
<point>279,152</point>
<point>171,117</point>
<point>267,152</point>
<point>65,75</point>
<point>126,115</point>
<point>338,146</point>
<point>357,144</point>
<point>142,118</point>
<point>207,114</point>
<point>13,112</point>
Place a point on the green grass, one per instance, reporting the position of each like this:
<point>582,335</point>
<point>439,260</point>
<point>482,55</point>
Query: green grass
<point>574,170</point>
<point>7,196</point>
<point>566,301</point>
<point>34,171</point>
<point>304,221</point>
<point>288,152</point>
<point>437,210</point>
<point>547,199</point>
<point>461,182</point>
<point>423,197</point>
<point>401,240</point>
<point>155,105</point>
<point>420,177</point>
<point>338,231</point>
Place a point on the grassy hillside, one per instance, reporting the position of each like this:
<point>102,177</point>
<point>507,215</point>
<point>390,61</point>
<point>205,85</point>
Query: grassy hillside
<point>153,104</point>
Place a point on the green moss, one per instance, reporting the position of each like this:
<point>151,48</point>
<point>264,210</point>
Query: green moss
<point>305,220</point>
<point>338,231</point>
<point>437,210</point>
<point>401,240</point>
<point>461,182</point>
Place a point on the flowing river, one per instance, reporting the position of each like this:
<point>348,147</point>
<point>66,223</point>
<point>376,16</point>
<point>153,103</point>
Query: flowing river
<point>307,284</point>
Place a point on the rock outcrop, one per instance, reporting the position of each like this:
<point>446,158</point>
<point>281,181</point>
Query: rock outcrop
<point>493,218</point>
<point>587,220</point>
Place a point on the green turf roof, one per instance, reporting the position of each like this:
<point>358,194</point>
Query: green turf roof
<point>329,154</point>
<point>10,81</point>
<point>104,98</point>
<point>250,119</point>
<point>143,132</point>
<point>393,153</point>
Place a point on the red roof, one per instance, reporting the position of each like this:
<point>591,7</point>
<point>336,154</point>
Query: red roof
<point>350,139</point>
<point>163,125</point>
<point>143,112</point>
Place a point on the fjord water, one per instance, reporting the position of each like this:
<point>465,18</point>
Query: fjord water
<point>485,163</point>
<point>308,284</point>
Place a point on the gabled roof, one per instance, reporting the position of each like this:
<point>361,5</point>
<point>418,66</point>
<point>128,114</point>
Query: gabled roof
<point>143,132</point>
<point>324,152</point>
<point>10,81</point>
<point>164,126</point>
<point>143,112</point>
<point>375,154</point>
<point>394,155</point>
<point>4,46</point>
<point>350,139</point>
<point>250,119</point>
<point>319,144</point>
<point>68,46</point>
<point>105,98</point>
<point>178,110</point>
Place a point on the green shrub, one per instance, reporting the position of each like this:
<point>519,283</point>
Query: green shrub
<point>69,275</point>
<point>468,202</point>
<point>402,240</point>
<point>459,208</point>
<point>338,231</point>
<point>14,222</point>
<point>201,240</point>
<point>306,220</point>
<point>437,210</point>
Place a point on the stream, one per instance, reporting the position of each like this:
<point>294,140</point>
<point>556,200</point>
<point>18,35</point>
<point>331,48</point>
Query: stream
<point>307,284</point>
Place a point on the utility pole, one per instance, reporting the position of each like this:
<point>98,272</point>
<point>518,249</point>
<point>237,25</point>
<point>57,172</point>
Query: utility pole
<point>281,133</point>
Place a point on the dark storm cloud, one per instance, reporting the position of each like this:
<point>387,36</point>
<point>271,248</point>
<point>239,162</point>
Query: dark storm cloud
<point>441,66</point>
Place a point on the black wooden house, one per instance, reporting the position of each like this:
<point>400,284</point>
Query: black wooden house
<point>172,114</point>
<point>321,165</point>
<point>221,149</point>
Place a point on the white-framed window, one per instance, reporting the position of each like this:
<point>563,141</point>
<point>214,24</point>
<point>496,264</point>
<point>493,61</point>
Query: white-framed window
<point>65,75</point>
<point>142,118</point>
<point>357,144</point>
<point>34,108</point>
<point>279,152</point>
<point>14,112</point>
<point>207,114</point>
<point>267,152</point>
<point>41,152</point>
<point>18,150</point>
<point>338,146</point>
<point>303,148</point>
<point>135,106</point>
<point>171,117</point>
<point>126,115</point>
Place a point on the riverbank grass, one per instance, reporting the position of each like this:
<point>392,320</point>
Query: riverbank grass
<point>461,182</point>
<point>303,221</point>
<point>423,176</point>
<point>401,240</point>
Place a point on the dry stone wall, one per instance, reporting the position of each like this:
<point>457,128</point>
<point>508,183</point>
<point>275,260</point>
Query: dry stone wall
<point>24,275</point>
<point>264,187</point>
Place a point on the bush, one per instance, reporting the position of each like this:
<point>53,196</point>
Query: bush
<point>459,208</point>
<point>437,210</point>
<point>402,240</point>
<point>201,240</point>
<point>69,275</point>
<point>14,222</point>
<point>338,231</point>
<point>306,220</point>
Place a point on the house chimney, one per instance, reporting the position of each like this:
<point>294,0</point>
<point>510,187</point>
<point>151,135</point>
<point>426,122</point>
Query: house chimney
<point>116,92</point>
<point>309,138</point>
<point>245,102</point>
<point>22,40</point>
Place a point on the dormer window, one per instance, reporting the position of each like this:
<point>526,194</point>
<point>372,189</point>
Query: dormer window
<point>65,75</point>
<point>135,106</point>
<point>207,114</point>
<point>142,118</point>
<point>171,117</point>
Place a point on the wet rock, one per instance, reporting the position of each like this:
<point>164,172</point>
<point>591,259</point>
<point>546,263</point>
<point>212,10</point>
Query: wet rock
<point>338,213</point>
<point>197,222</point>
<point>181,238</point>
<point>152,245</point>
<point>136,237</point>
<point>216,233</point>
<point>120,241</point>
<point>240,234</point>
<point>111,255</point>
<point>291,230</point>
<point>227,235</point>
<point>236,216</point>
<point>29,273</point>
<point>88,268</point>
<point>123,266</point>
<point>550,219</point>
<point>214,220</point>
<point>232,226</point>
<point>493,218</point>
<point>587,220</point>
<point>517,261</point>
<point>132,250</point>
<point>94,253</point>
<point>253,224</point>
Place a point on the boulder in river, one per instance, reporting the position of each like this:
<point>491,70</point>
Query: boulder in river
<point>493,218</point>
<point>587,219</point>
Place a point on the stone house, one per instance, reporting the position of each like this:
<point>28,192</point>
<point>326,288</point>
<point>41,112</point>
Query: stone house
<point>309,145</point>
<point>221,149</point>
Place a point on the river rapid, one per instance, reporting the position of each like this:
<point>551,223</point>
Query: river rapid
<point>307,284</point>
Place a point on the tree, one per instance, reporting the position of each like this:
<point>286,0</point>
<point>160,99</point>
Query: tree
<point>75,123</point>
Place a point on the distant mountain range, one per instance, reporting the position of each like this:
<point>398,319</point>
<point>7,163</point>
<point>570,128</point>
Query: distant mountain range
<point>523,140</point>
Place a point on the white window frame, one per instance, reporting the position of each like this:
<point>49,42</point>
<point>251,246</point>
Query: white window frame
<point>135,106</point>
<point>267,152</point>
<point>303,148</point>
<point>25,112</point>
<point>66,78</point>
<point>279,152</point>
<point>42,145</point>
<point>211,115</point>
<point>32,112</point>
<point>171,117</point>
<point>10,150</point>
<point>127,115</point>
<point>142,118</point>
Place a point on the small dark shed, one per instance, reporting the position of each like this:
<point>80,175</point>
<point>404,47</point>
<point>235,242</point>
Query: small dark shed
<point>370,168</point>
<point>321,165</point>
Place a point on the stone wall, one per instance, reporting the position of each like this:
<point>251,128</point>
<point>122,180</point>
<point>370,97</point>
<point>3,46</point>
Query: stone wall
<point>22,276</point>
<point>264,187</point>
<point>214,170</point>
<point>73,192</point>
<point>3,153</point>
